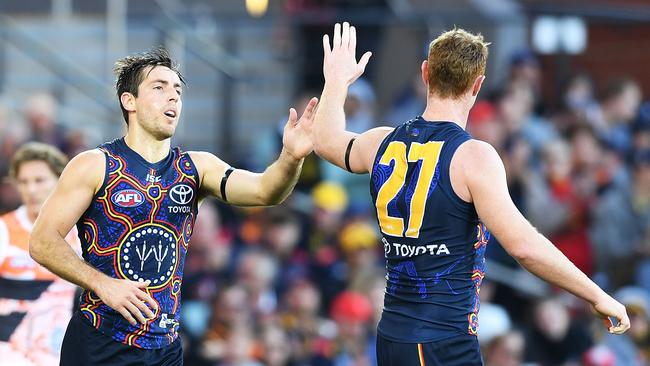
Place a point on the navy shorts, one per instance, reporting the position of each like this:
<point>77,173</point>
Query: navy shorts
<point>461,350</point>
<point>84,345</point>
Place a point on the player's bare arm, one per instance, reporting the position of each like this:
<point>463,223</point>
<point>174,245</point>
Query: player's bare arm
<point>79,182</point>
<point>243,188</point>
<point>347,150</point>
<point>481,174</point>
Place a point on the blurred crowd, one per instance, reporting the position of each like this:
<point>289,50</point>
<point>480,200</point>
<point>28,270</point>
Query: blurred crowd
<point>303,283</point>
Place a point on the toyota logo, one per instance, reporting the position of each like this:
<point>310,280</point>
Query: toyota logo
<point>181,194</point>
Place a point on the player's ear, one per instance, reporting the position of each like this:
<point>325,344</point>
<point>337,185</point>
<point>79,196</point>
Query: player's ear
<point>128,101</point>
<point>478,82</point>
<point>424,70</point>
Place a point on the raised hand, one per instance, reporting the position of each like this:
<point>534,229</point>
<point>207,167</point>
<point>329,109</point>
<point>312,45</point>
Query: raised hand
<point>296,137</point>
<point>128,298</point>
<point>340,64</point>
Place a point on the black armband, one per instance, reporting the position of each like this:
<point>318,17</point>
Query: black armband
<point>347,155</point>
<point>223,183</point>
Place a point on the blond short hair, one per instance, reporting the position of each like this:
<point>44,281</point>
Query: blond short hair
<point>456,58</point>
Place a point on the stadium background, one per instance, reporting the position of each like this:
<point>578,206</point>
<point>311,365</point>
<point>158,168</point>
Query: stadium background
<point>301,284</point>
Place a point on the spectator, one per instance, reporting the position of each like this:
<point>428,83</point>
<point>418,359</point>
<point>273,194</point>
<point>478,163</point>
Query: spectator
<point>494,322</point>
<point>618,107</point>
<point>41,114</point>
<point>620,226</point>
<point>554,338</point>
<point>207,264</point>
<point>409,103</point>
<point>283,234</point>
<point>352,313</point>
<point>230,311</point>
<point>578,104</point>
<point>525,68</point>
<point>359,243</point>
<point>555,191</point>
<point>275,346</point>
<point>505,350</point>
<point>256,273</point>
<point>300,318</point>
<point>484,125</point>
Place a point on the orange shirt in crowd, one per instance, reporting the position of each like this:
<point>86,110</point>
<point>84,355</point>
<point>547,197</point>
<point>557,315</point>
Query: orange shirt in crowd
<point>35,304</point>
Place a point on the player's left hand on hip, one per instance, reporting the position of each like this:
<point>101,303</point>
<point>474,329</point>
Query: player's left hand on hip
<point>297,132</point>
<point>340,62</point>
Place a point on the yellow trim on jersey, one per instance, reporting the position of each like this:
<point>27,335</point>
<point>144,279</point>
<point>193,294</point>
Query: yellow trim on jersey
<point>421,354</point>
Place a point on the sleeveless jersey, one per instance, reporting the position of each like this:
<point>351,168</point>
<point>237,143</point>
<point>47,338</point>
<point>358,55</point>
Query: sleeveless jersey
<point>35,304</point>
<point>138,227</point>
<point>434,243</point>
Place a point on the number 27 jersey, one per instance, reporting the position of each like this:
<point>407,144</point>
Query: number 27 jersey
<point>434,243</point>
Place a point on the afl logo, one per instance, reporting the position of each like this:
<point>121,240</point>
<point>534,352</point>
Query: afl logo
<point>181,194</point>
<point>127,198</point>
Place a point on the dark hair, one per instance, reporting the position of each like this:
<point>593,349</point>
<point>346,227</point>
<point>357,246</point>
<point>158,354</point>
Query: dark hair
<point>616,87</point>
<point>37,151</point>
<point>130,72</point>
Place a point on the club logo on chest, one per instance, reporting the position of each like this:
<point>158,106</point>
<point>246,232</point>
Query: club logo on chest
<point>149,253</point>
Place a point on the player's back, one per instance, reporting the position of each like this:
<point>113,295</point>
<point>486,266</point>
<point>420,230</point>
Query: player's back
<point>433,241</point>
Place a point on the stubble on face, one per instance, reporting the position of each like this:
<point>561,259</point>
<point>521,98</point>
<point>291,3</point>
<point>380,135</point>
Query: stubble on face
<point>158,96</point>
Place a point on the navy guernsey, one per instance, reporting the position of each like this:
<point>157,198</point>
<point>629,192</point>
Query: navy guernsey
<point>433,241</point>
<point>138,227</point>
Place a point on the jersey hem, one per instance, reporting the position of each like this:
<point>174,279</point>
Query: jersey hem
<point>421,340</point>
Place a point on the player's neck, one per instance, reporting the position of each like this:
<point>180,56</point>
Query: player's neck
<point>447,109</point>
<point>151,149</point>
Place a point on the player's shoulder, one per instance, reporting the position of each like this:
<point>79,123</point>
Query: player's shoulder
<point>87,165</point>
<point>205,160</point>
<point>369,142</point>
<point>375,135</point>
<point>201,157</point>
<point>372,138</point>
<point>90,159</point>
<point>196,154</point>
<point>381,130</point>
<point>476,155</point>
<point>87,157</point>
<point>477,151</point>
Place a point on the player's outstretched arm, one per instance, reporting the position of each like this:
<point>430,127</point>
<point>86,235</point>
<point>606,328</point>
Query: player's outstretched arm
<point>331,140</point>
<point>80,180</point>
<point>243,188</point>
<point>481,169</point>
